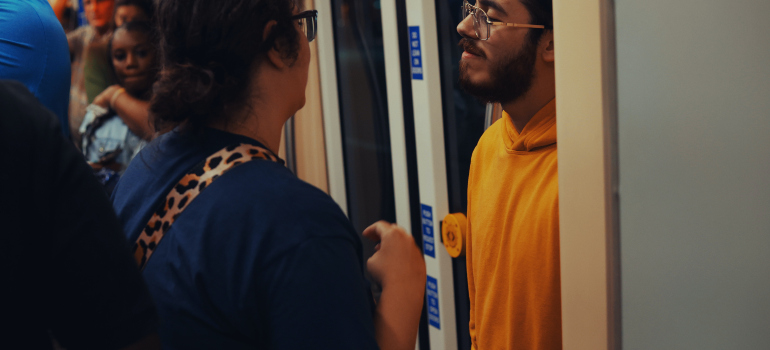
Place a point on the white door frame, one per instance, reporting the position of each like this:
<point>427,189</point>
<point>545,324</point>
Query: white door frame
<point>586,105</point>
<point>327,63</point>
<point>432,171</point>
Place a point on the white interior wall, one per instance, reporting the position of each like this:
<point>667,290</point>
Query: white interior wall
<point>694,166</point>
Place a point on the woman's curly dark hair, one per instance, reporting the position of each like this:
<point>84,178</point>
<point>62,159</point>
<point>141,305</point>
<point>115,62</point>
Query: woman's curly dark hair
<point>208,50</point>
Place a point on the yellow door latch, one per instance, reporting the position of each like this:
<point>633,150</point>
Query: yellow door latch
<point>453,233</point>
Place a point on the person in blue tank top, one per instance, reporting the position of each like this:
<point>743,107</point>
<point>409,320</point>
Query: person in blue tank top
<point>34,51</point>
<point>251,258</point>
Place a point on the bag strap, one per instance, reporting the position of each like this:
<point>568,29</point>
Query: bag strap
<point>189,187</point>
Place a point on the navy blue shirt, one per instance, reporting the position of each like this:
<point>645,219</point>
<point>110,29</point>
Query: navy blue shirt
<point>260,259</point>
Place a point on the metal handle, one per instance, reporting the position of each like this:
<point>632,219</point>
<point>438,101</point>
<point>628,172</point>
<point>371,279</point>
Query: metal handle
<point>493,113</point>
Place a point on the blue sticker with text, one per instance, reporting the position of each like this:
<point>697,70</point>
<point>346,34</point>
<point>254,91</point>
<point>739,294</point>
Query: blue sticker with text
<point>415,53</point>
<point>431,291</point>
<point>428,246</point>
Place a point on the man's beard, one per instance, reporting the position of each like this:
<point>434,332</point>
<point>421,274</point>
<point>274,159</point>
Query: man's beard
<point>511,76</point>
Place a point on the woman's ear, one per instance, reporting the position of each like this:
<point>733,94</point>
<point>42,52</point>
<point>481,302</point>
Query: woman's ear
<point>274,55</point>
<point>548,47</point>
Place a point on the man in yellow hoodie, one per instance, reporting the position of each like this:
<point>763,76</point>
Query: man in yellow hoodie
<point>513,204</point>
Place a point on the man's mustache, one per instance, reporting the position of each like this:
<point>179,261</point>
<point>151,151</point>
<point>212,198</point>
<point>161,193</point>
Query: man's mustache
<point>469,46</point>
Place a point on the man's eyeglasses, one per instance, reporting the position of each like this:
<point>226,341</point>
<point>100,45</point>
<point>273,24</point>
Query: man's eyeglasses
<point>482,24</point>
<point>308,20</point>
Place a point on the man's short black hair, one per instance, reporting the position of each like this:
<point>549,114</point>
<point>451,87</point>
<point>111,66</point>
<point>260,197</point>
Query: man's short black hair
<point>540,12</point>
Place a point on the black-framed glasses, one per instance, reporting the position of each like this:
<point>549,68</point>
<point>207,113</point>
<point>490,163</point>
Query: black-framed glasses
<point>482,24</point>
<point>308,20</point>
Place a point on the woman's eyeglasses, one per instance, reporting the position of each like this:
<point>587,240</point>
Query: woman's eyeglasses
<point>482,24</point>
<point>308,20</point>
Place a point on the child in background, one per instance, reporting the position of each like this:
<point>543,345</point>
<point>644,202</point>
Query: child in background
<point>98,70</point>
<point>109,141</point>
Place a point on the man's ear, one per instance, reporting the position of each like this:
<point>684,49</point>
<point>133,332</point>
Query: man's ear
<point>546,43</point>
<point>274,55</point>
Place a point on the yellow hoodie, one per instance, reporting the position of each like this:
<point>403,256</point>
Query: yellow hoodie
<point>513,236</point>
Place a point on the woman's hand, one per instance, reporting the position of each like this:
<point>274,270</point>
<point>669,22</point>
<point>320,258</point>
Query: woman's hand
<point>399,267</point>
<point>104,98</point>
<point>397,260</point>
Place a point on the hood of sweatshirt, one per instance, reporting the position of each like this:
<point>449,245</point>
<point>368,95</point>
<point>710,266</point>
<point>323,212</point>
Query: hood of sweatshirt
<point>539,132</point>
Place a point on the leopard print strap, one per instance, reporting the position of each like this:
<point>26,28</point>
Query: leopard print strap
<point>189,187</point>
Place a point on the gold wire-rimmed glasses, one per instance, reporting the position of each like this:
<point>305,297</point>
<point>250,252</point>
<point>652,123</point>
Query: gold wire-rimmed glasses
<point>482,24</point>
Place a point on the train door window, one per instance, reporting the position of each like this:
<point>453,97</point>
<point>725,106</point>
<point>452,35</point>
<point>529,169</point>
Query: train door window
<point>363,113</point>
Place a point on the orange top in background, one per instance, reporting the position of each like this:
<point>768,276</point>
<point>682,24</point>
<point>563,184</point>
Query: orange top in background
<point>513,237</point>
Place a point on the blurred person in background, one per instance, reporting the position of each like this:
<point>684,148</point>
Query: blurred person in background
<point>237,252</point>
<point>98,71</point>
<point>133,10</point>
<point>99,14</point>
<point>33,51</point>
<point>66,12</point>
<point>110,140</point>
<point>66,272</point>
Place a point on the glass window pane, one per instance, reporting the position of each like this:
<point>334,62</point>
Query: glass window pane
<point>364,114</point>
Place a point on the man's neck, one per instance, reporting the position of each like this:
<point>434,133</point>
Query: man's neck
<point>522,110</point>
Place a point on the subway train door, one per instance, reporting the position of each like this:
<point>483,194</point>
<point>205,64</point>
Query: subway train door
<point>357,109</point>
<point>399,135</point>
<point>434,129</point>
